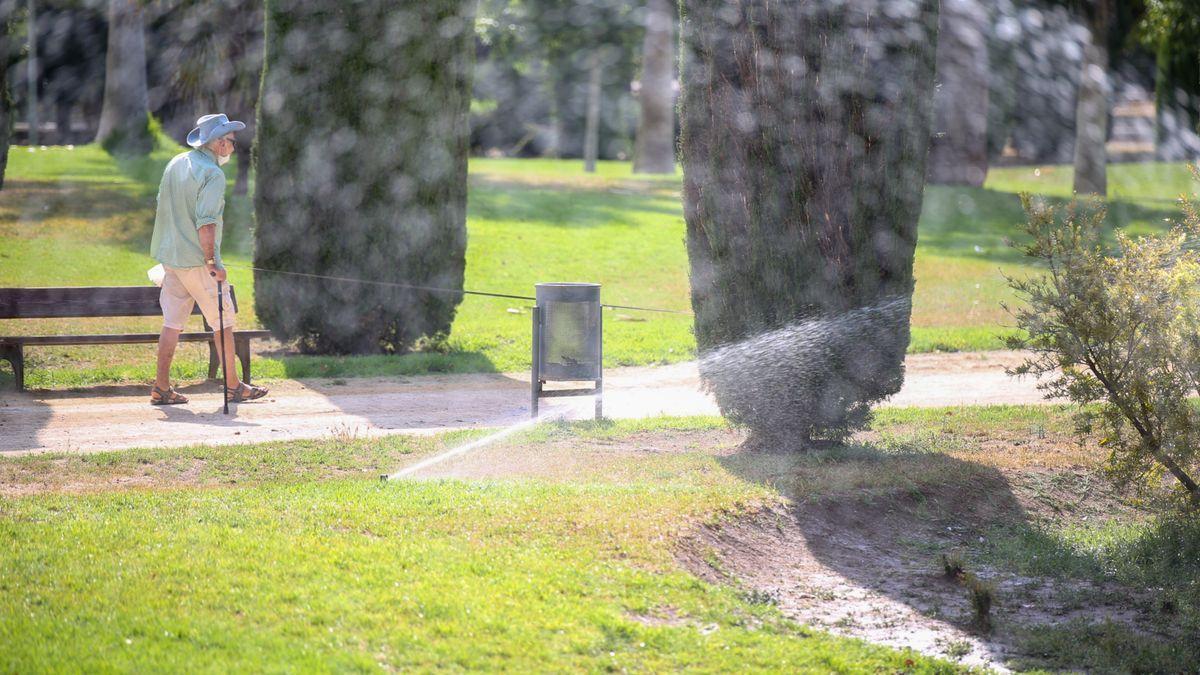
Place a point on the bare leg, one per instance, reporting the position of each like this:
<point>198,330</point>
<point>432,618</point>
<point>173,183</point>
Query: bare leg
<point>223,340</point>
<point>167,342</point>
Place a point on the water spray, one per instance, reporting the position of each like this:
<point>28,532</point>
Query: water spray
<point>567,346</point>
<point>473,445</point>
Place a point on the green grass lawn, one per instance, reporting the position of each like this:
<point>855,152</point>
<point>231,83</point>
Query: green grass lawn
<point>77,217</point>
<point>294,557</point>
<point>562,558</point>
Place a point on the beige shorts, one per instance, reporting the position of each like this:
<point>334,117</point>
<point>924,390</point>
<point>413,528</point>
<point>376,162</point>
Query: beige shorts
<point>183,288</point>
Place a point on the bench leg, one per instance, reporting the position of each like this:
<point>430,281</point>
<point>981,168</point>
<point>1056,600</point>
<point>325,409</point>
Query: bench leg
<point>15,355</point>
<point>213,361</point>
<point>242,348</point>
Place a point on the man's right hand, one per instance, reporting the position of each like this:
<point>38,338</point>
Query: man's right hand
<point>217,272</point>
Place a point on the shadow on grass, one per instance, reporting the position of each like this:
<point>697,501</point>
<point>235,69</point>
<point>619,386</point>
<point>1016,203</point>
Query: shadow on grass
<point>34,203</point>
<point>565,206</point>
<point>301,366</point>
<point>978,222</point>
<point>881,518</point>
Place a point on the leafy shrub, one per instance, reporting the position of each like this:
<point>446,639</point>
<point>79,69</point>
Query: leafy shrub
<point>983,596</point>
<point>1120,330</point>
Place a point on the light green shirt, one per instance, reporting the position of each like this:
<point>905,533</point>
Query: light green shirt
<point>190,196</point>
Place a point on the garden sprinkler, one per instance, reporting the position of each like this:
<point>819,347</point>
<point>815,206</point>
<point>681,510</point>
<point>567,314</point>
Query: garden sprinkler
<point>224,362</point>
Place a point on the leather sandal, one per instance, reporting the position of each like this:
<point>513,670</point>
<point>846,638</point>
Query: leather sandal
<point>248,392</point>
<point>168,397</point>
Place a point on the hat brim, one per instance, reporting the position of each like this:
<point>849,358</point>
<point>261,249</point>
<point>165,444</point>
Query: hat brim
<point>196,139</point>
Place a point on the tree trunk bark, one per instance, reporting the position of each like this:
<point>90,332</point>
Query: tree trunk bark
<point>1091,119</point>
<point>655,151</point>
<point>124,118</point>
<point>591,133</point>
<point>31,78</point>
<point>62,123</point>
<point>5,100</point>
<point>805,137</point>
<point>958,153</point>
<point>246,51</point>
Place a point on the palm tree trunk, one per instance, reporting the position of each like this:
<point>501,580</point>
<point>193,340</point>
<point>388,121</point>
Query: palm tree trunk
<point>1091,119</point>
<point>124,118</point>
<point>804,145</point>
<point>655,152</point>
<point>958,153</point>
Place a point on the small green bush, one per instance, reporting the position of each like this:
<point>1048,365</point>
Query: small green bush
<point>1118,332</point>
<point>983,596</point>
<point>953,565</point>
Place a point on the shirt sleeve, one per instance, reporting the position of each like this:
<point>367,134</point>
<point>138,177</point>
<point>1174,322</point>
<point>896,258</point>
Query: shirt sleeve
<point>211,203</point>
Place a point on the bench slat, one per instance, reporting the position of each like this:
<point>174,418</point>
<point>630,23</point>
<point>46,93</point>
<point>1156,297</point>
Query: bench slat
<point>79,302</point>
<point>131,338</point>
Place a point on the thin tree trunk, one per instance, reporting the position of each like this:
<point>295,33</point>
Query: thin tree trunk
<point>245,50</point>
<point>655,152</point>
<point>1091,119</point>
<point>31,65</point>
<point>123,119</point>
<point>958,153</point>
<point>5,100</point>
<point>591,133</point>
<point>62,122</point>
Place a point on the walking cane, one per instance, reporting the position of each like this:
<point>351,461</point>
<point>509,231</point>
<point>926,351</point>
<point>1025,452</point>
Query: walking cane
<point>224,362</point>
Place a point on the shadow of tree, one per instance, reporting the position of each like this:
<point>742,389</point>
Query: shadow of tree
<point>979,222</point>
<point>567,205</point>
<point>880,519</point>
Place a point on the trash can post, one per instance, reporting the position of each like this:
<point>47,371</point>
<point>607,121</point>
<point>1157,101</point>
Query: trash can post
<point>535,383</point>
<point>600,367</point>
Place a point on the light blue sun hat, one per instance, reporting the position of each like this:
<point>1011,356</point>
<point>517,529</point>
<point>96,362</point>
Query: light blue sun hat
<point>210,127</point>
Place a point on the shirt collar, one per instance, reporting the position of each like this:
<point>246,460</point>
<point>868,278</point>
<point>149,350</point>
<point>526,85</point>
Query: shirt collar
<point>212,156</point>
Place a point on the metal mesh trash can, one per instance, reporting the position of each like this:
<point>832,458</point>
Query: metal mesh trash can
<point>567,344</point>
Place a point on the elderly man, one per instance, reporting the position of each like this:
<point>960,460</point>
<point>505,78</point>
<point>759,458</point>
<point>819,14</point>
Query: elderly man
<point>187,241</point>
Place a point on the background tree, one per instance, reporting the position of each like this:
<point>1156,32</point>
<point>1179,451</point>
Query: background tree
<point>569,35</point>
<point>208,58</point>
<point>958,150</point>
<point>72,61</point>
<point>511,107</point>
<point>362,170</point>
<point>805,134</point>
<point>655,151</point>
<point>1172,31</point>
<point>1095,100</point>
<point>8,17</point>
<point>125,119</point>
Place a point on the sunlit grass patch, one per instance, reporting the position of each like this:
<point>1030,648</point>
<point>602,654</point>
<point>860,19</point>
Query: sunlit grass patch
<point>259,563</point>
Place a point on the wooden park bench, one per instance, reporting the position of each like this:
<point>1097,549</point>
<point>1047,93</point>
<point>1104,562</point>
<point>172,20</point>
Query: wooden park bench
<point>101,301</point>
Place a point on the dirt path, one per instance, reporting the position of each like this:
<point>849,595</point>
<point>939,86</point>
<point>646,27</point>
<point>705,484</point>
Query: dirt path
<point>111,418</point>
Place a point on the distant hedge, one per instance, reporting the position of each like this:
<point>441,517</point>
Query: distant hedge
<point>361,169</point>
<point>805,131</point>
